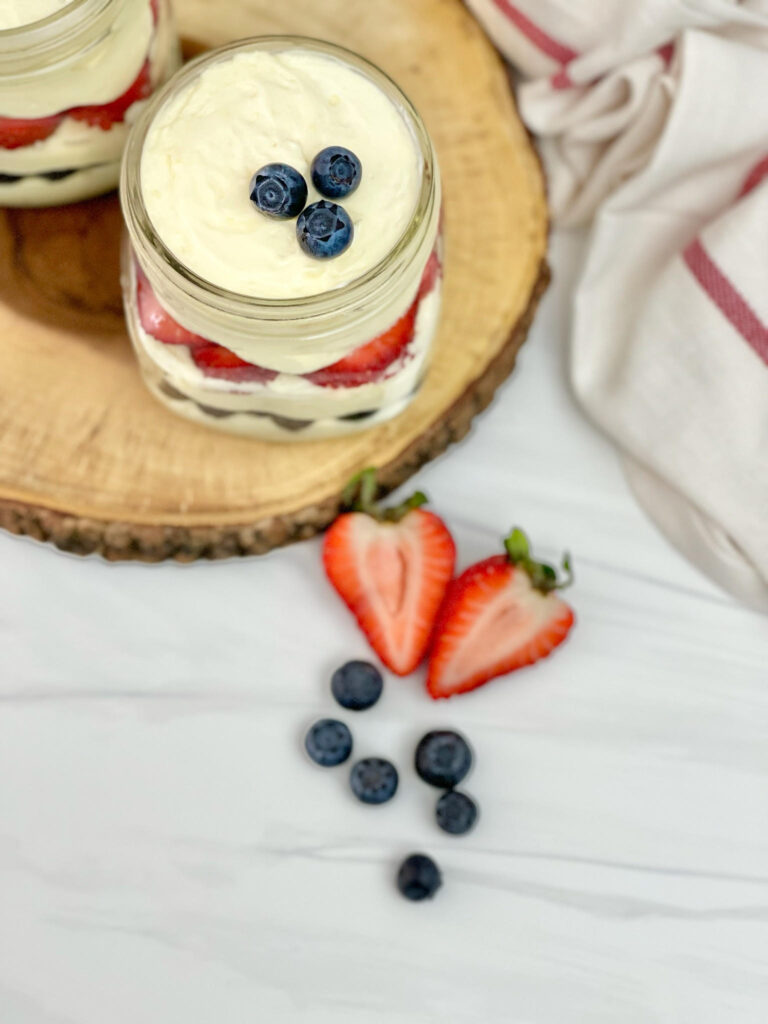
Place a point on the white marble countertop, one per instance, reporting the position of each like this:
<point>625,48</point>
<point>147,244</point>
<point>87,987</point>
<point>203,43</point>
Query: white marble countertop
<point>167,855</point>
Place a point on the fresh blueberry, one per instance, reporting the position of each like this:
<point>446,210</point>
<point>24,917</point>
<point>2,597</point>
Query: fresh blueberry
<point>443,758</point>
<point>328,742</point>
<point>324,230</point>
<point>419,877</point>
<point>279,191</point>
<point>336,172</point>
<point>357,685</point>
<point>373,780</point>
<point>456,812</point>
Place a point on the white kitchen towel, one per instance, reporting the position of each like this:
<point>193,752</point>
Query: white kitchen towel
<point>652,116</point>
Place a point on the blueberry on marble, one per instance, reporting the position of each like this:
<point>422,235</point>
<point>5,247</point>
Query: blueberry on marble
<point>278,190</point>
<point>456,812</point>
<point>443,758</point>
<point>373,780</point>
<point>357,685</point>
<point>336,172</point>
<point>419,877</point>
<point>328,742</point>
<point>324,230</point>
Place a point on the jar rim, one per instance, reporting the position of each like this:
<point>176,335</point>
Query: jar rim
<point>140,224</point>
<point>55,36</point>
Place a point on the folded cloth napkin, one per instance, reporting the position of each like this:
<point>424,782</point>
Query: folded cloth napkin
<point>652,117</point>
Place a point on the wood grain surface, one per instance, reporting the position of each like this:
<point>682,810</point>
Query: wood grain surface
<point>90,461</point>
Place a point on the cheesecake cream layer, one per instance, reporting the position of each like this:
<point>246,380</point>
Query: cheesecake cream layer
<point>37,191</point>
<point>268,427</point>
<point>260,107</point>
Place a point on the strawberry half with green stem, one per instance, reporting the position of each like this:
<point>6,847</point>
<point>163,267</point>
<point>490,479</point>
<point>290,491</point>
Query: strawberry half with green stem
<point>391,567</point>
<point>499,615</point>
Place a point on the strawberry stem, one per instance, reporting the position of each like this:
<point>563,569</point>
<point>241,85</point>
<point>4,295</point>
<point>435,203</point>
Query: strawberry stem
<point>543,576</point>
<point>362,491</point>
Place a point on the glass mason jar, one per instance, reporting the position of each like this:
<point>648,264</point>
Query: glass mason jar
<point>69,86</point>
<point>284,368</point>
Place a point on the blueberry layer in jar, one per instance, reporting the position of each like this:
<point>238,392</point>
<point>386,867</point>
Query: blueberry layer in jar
<point>241,317</point>
<point>73,75</point>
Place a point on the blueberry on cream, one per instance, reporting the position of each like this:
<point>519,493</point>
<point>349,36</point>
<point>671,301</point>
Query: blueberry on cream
<point>324,230</point>
<point>278,190</point>
<point>336,172</point>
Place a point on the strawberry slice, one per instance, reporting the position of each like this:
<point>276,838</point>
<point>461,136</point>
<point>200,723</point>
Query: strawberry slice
<point>369,361</point>
<point>499,615</point>
<point>391,567</point>
<point>16,132</point>
<point>432,271</point>
<point>107,114</point>
<point>217,361</point>
<point>156,321</point>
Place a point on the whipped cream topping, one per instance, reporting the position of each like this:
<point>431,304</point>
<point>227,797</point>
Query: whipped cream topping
<point>15,13</point>
<point>101,73</point>
<point>260,107</point>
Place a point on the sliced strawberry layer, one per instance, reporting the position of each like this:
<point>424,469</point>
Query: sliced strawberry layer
<point>365,364</point>
<point>154,6</point>
<point>492,622</point>
<point>157,322</point>
<point>392,576</point>
<point>217,361</point>
<point>16,132</point>
<point>105,115</point>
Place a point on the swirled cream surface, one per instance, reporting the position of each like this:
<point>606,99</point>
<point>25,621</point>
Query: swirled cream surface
<point>262,107</point>
<point>15,13</point>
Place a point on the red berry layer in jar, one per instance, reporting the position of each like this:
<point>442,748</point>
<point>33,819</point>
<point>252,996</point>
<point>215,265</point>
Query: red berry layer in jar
<point>368,363</point>
<point>19,132</point>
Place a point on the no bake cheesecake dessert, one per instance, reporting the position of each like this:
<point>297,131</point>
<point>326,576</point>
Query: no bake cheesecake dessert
<point>283,272</point>
<point>72,76</point>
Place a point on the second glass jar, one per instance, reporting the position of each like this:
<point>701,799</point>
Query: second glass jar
<point>70,84</point>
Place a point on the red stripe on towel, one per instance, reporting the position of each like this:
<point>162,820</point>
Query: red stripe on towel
<point>551,47</point>
<point>727,298</point>
<point>667,52</point>
<point>561,80</point>
<point>755,176</point>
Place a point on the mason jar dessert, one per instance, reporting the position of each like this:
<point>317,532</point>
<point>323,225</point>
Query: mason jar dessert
<point>282,271</point>
<point>72,76</point>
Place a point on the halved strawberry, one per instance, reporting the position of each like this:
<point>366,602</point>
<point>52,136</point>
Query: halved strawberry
<point>391,567</point>
<point>156,321</point>
<point>369,361</point>
<point>218,361</point>
<point>105,115</point>
<point>16,132</point>
<point>499,615</point>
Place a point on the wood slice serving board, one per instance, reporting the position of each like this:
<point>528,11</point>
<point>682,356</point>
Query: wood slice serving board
<point>90,461</point>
